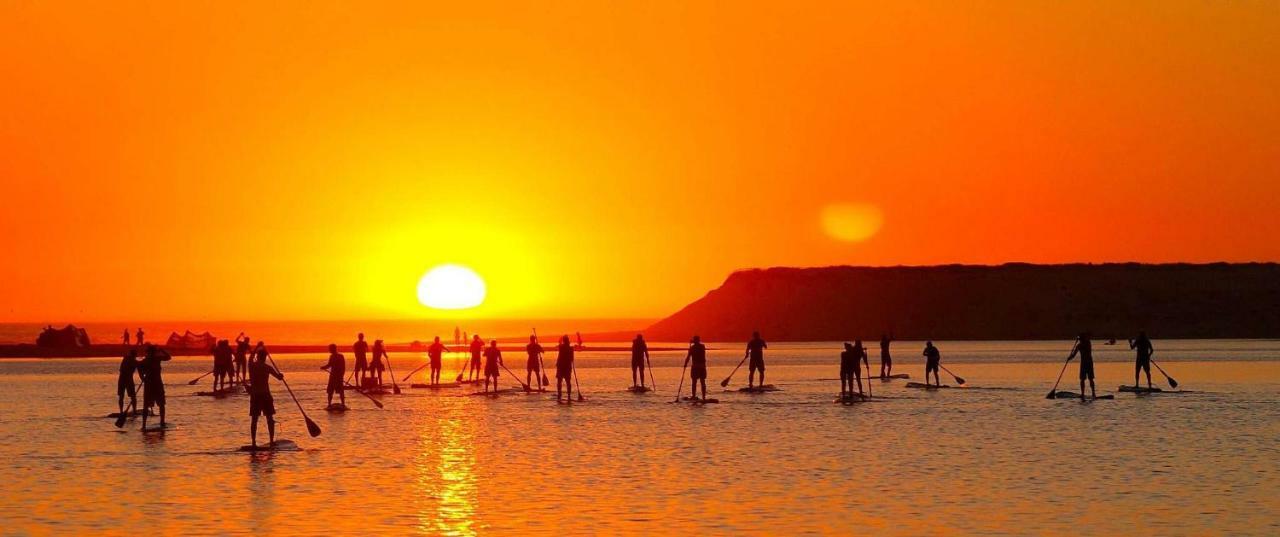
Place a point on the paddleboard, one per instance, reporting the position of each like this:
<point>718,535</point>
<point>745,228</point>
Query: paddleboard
<point>639,389</point>
<point>337,407</point>
<point>760,389</point>
<point>1073,395</point>
<point>436,386</point>
<point>157,428</point>
<point>221,393</point>
<point>1140,389</point>
<point>894,376</point>
<point>494,393</point>
<point>696,401</point>
<point>850,399</point>
<point>133,414</point>
<point>278,445</point>
<point>923,386</point>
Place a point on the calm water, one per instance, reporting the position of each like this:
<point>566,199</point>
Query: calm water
<point>976,461</point>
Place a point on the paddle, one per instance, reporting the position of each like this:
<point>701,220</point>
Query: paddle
<point>513,375</point>
<point>725,382</point>
<point>1172,383</point>
<point>376,402</point>
<point>867,362</point>
<point>406,377</point>
<point>312,428</point>
<point>652,383</point>
<point>197,379</point>
<point>545,381</point>
<point>463,373</point>
<point>574,367</point>
<point>1053,394</point>
<point>133,405</point>
<point>959,380</point>
<point>682,370</point>
<point>395,388</point>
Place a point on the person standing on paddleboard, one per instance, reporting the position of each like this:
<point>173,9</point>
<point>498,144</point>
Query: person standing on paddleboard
<point>124,384</point>
<point>337,368</point>
<point>377,365</point>
<point>223,367</point>
<point>153,381</point>
<point>492,360</point>
<point>137,340</point>
<point>436,353</point>
<point>260,401</point>
<point>1084,348</point>
<point>696,360</point>
<point>242,358</point>
<point>477,351</point>
<point>360,348</point>
<point>639,354</point>
<point>756,348</point>
<point>859,359</point>
<point>564,367</point>
<point>126,337</point>
<point>1144,351</point>
<point>531,366</point>
<point>886,362</point>
<point>848,366</point>
<point>932,362</point>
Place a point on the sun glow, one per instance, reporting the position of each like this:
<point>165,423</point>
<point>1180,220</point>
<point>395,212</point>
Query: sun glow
<point>451,287</point>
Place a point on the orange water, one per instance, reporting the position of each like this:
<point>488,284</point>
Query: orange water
<point>976,461</point>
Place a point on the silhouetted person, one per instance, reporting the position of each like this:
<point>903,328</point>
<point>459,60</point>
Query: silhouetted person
<point>222,364</point>
<point>579,340</point>
<point>477,351</point>
<point>886,362</point>
<point>377,365</point>
<point>337,368</point>
<point>859,360</point>
<point>360,348</point>
<point>457,336</point>
<point>242,357</point>
<point>696,359</point>
<point>639,353</point>
<point>564,368</point>
<point>848,366</point>
<point>260,401</point>
<point>124,384</point>
<point>1144,351</point>
<point>532,368</point>
<point>436,353</point>
<point>125,338</point>
<point>153,381</point>
<point>138,339</point>
<point>932,361</point>
<point>492,360</point>
<point>755,348</point>
<point>1084,348</point>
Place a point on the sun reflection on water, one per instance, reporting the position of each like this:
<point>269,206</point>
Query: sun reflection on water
<point>446,479</point>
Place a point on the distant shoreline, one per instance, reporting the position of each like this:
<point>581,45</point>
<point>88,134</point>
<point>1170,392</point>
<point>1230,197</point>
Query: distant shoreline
<point>106,351</point>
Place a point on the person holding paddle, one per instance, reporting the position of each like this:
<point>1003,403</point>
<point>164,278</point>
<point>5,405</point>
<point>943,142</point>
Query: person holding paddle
<point>932,361</point>
<point>477,350</point>
<point>532,366</point>
<point>848,368</point>
<point>153,381</point>
<point>337,368</point>
<point>436,353</point>
<point>376,365</point>
<point>492,361</point>
<point>260,401</point>
<point>697,357</point>
<point>639,354</point>
<point>362,365</point>
<point>1084,348</point>
<point>242,357</point>
<point>564,367</point>
<point>1144,351</point>
<point>756,348</point>
<point>223,368</point>
<point>859,360</point>
<point>124,384</point>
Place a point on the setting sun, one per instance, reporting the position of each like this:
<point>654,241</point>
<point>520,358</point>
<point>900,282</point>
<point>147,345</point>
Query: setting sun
<point>451,287</point>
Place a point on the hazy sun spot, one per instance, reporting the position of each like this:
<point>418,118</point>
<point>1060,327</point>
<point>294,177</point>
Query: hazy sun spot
<point>451,287</point>
<point>853,222</point>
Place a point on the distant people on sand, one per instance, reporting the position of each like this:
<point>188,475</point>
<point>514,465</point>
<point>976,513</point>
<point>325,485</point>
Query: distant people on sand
<point>436,353</point>
<point>360,349</point>
<point>260,401</point>
<point>337,368</point>
<point>696,360</point>
<point>223,365</point>
<point>1084,348</point>
<point>932,362</point>
<point>564,368</point>
<point>242,358</point>
<point>137,340</point>
<point>1143,364</point>
<point>756,348</point>
<point>532,365</point>
<point>124,384</point>
<point>886,362</point>
<point>492,361</point>
<point>477,352</point>
<point>125,337</point>
<point>378,364</point>
<point>153,381</point>
<point>639,354</point>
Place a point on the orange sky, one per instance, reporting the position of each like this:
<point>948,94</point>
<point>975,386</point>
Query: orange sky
<point>307,161</point>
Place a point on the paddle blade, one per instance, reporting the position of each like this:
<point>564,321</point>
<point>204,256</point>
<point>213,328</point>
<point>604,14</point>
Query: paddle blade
<point>581,398</point>
<point>193,382</point>
<point>312,428</point>
<point>459,379</point>
<point>120,420</point>
<point>395,389</point>
<point>724,383</point>
<point>1172,383</point>
<point>959,380</point>
<point>1052,394</point>
<point>376,402</point>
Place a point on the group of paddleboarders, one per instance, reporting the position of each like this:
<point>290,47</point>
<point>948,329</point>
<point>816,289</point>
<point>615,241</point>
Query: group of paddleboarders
<point>148,369</point>
<point>368,372</point>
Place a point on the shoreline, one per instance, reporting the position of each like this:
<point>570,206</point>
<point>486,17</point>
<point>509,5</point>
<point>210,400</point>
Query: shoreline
<point>27,350</point>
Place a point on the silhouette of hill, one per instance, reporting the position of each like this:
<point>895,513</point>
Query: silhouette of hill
<point>1011,301</point>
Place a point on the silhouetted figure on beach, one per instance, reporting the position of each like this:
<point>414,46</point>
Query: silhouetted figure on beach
<point>360,349</point>
<point>124,384</point>
<point>1144,351</point>
<point>378,364</point>
<point>153,381</point>
<point>886,362</point>
<point>436,353</point>
<point>492,360</point>
<point>477,352</point>
<point>1084,348</point>
<point>531,367</point>
<point>125,337</point>
<point>932,362</point>
<point>756,348</point>
<point>696,360</point>
<point>337,368</point>
<point>639,354</point>
<point>848,367</point>
<point>564,368</point>
<point>457,336</point>
<point>242,358</point>
<point>137,340</point>
<point>223,365</point>
<point>260,401</point>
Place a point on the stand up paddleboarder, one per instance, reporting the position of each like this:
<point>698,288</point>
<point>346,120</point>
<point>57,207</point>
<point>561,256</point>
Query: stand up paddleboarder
<point>859,359</point>
<point>639,354</point>
<point>1144,351</point>
<point>337,368</point>
<point>564,367</point>
<point>260,401</point>
<point>932,361</point>
<point>436,353</point>
<point>377,365</point>
<point>696,360</point>
<point>153,381</point>
<point>1084,348</point>
<point>492,360</point>
<point>532,368</point>
<point>477,351</point>
<point>848,368</point>
<point>360,348</point>
<point>242,358</point>
<point>886,362</point>
<point>756,348</point>
<point>124,384</point>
